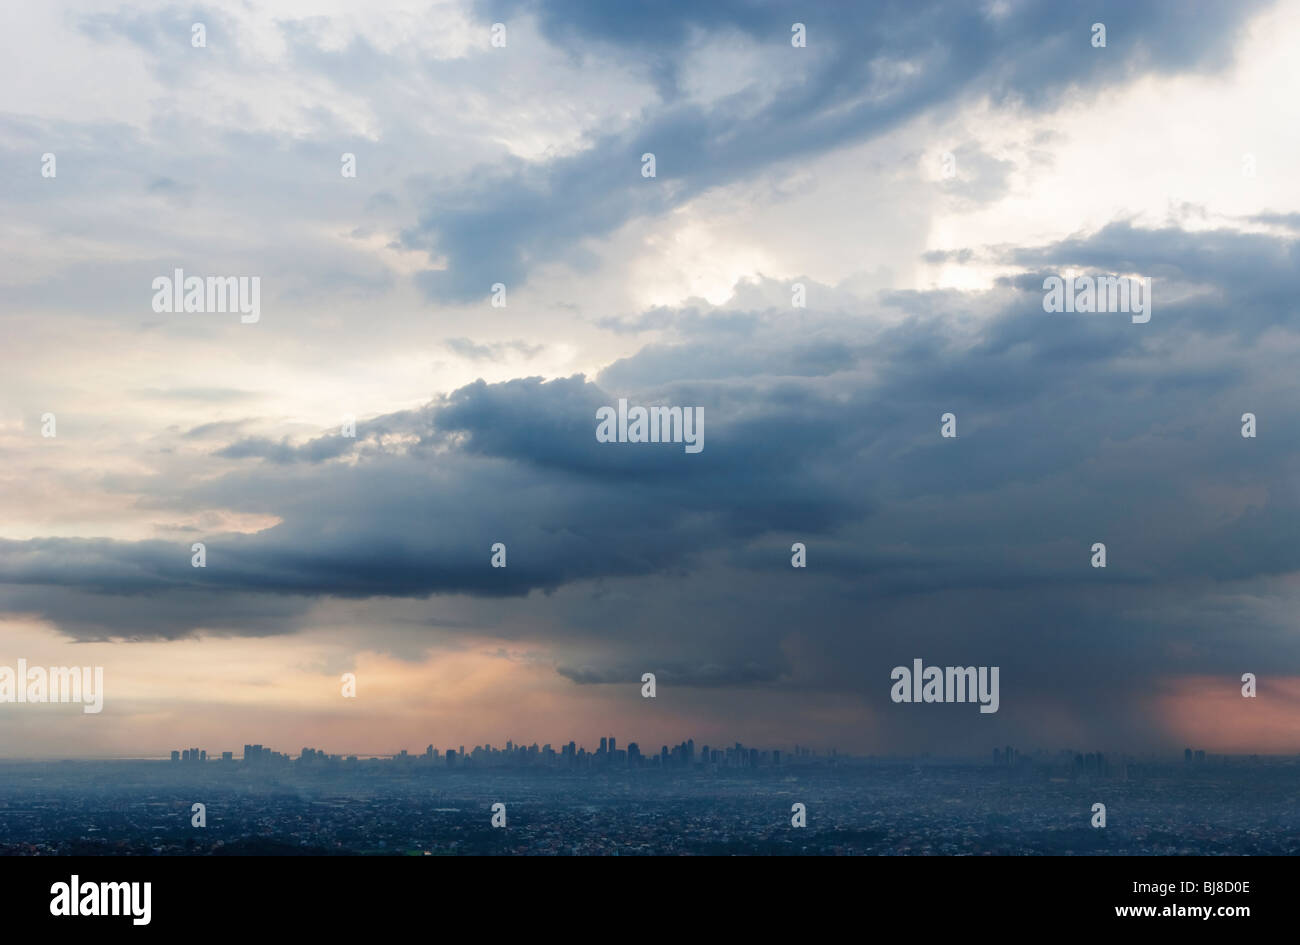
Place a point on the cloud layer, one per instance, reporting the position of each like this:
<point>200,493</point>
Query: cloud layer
<point>475,424</point>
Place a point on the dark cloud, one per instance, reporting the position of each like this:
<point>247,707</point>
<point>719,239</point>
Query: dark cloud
<point>695,676</point>
<point>1072,429</point>
<point>1291,220</point>
<point>282,451</point>
<point>495,226</point>
<point>821,425</point>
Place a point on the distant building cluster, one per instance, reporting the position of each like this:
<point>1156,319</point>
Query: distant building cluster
<point>609,756</point>
<point>571,755</point>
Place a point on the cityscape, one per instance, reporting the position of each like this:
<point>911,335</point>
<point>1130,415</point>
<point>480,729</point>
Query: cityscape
<point>735,428</point>
<point>681,800</point>
<point>570,755</point>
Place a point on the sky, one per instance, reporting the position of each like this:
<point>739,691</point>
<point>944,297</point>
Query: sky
<point>914,170</point>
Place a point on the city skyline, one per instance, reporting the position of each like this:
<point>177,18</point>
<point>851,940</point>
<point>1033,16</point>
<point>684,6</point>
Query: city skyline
<point>722,752</point>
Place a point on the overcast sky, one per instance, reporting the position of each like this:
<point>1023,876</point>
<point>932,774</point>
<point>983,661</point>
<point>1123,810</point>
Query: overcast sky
<point>918,168</point>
